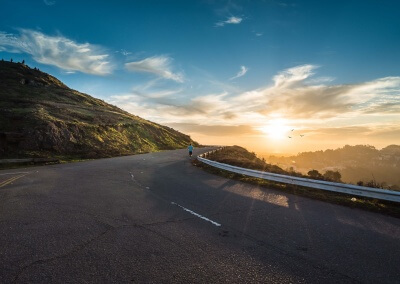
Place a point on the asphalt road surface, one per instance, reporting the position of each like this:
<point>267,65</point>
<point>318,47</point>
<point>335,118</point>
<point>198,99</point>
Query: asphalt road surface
<point>155,218</point>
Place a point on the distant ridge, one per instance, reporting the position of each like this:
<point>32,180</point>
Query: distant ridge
<point>42,117</point>
<point>355,163</point>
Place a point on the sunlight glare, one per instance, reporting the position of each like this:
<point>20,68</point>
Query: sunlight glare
<point>276,129</point>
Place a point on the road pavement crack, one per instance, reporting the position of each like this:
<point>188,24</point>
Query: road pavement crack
<point>73,250</point>
<point>97,237</point>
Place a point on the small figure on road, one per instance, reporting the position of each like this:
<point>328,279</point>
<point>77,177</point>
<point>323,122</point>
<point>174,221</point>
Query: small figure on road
<point>190,148</point>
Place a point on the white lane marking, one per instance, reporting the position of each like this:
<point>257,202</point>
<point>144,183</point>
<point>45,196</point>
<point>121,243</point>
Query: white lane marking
<point>141,186</point>
<point>196,214</point>
<point>14,173</point>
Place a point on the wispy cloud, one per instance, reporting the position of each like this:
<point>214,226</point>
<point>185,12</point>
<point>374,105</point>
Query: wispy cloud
<point>124,52</point>
<point>158,65</point>
<point>216,130</point>
<point>293,95</point>
<point>360,133</point>
<point>231,20</point>
<point>242,72</point>
<point>170,106</point>
<point>49,2</point>
<point>58,51</point>
<point>292,76</point>
<point>257,33</point>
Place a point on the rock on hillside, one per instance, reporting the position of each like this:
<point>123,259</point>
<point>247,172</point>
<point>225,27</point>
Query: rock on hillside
<point>42,117</point>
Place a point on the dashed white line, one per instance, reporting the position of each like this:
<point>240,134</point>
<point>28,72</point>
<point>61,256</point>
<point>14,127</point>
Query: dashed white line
<point>197,215</point>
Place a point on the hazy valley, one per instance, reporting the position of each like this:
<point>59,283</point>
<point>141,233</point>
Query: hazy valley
<point>355,163</point>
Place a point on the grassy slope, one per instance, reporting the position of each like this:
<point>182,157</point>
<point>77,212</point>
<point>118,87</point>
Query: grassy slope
<point>55,120</point>
<point>239,156</point>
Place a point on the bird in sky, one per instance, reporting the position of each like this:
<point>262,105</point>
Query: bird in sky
<point>290,136</point>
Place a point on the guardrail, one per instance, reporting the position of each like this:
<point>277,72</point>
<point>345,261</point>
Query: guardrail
<point>363,191</point>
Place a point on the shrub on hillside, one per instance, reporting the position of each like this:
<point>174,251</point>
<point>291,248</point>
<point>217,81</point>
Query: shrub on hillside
<point>314,174</point>
<point>334,176</point>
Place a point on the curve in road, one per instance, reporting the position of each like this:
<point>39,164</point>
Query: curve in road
<point>156,218</point>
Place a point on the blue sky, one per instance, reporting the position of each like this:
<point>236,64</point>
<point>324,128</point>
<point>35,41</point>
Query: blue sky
<point>248,71</point>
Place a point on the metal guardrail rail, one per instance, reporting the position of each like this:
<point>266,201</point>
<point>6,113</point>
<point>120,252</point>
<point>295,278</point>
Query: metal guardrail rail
<point>363,191</point>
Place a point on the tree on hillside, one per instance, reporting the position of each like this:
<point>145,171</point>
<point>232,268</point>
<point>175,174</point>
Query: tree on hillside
<point>332,176</point>
<point>314,174</point>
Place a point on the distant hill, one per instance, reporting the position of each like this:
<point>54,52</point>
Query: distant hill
<point>241,157</point>
<point>42,117</point>
<point>355,163</point>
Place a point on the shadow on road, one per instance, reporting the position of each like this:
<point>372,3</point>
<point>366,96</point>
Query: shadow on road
<point>300,232</point>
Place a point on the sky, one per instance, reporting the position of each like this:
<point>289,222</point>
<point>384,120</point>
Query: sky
<point>275,76</point>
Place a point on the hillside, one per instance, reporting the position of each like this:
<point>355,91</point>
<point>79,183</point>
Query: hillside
<point>240,157</point>
<point>355,163</point>
<point>42,117</point>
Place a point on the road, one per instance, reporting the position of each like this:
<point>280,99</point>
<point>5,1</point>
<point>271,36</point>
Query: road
<point>155,218</point>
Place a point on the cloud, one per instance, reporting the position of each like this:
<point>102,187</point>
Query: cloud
<point>231,20</point>
<point>124,52</point>
<point>158,65</point>
<point>292,76</point>
<point>295,94</point>
<point>376,131</point>
<point>215,130</point>
<point>49,2</point>
<point>384,108</point>
<point>170,109</point>
<point>336,132</point>
<point>58,51</point>
<point>242,72</point>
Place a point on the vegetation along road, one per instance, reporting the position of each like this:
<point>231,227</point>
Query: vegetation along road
<point>157,218</point>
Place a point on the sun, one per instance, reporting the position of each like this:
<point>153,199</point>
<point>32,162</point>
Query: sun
<point>276,129</point>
